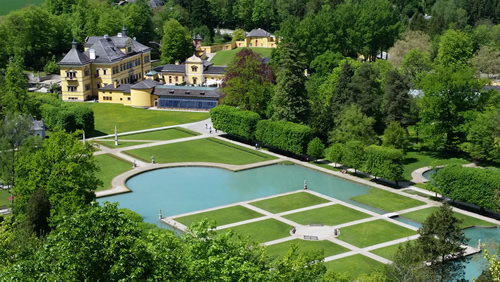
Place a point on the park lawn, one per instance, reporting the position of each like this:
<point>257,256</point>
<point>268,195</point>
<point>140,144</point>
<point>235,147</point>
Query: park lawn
<point>4,198</point>
<point>289,202</point>
<point>162,135</point>
<point>7,6</point>
<point>306,246</point>
<point>354,266</point>
<point>201,150</point>
<point>373,232</point>
<point>387,201</point>
<point>221,216</point>
<point>387,252</point>
<point>262,231</point>
<point>327,166</point>
<point>127,118</point>
<point>111,166</point>
<point>224,57</point>
<point>330,215</point>
<point>468,221</point>
<point>415,160</point>
<point>121,144</point>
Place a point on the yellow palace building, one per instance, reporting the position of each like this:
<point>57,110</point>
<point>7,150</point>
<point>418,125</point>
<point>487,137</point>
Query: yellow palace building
<point>106,60</point>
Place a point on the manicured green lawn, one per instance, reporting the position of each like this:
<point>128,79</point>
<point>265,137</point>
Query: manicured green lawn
<point>121,144</point>
<point>129,119</point>
<point>306,246</point>
<point>354,265</point>
<point>166,134</point>
<point>289,202</point>
<point>387,201</point>
<point>468,221</point>
<point>4,198</point>
<point>387,252</point>
<point>416,160</point>
<point>201,150</point>
<point>111,167</point>
<point>223,58</point>
<point>262,231</point>
<point>330,215</point>
<point>327,166</point>
<point>373,232</point>
<point>221,216</point>
<point>9,5</point>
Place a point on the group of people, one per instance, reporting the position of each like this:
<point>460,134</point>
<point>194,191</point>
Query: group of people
<point>210,128</point>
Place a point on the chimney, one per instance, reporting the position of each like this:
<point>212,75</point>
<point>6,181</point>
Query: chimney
<point>74,44</point>
<point>115,83</point>
<point>119,34</point>
<point>106,36</point>
<point>124,31</point>
<point>92,54</point>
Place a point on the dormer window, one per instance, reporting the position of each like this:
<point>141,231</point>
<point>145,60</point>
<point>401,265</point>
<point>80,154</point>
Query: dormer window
<point>129,49</point>
<point>194,68</point>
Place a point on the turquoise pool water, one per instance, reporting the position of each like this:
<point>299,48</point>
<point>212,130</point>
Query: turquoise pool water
<point>186,189</point>
<point>430,172</point>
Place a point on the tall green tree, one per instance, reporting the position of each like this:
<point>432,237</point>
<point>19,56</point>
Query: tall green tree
<point>483,138</point>
<point>15,98</point>
<point>65,168</point>
<point>354,155</point>
<point>248,83</point>
<point>290,97</point>
<point>451,96</point>
<point>395,136</point>
<point>354,126</point>
<point>365,85</point>
<point>38,212</point>
<point>177,44</point>
<point>342,96</point>
<point>396,98</point>
<point>455,48</point>
<point>415,65</point>
<point>407,264</point>
<point>441,241</point>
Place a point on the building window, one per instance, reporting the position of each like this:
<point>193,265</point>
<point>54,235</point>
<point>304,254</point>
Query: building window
<point>169,79</point>
<point>250,44</point>
<point>97,73</point>
<point>107,98</point>
<point>104,71</point>
<point>86,72</point>
<point>72,98</point>
<point>87,87</point>
<point>146,59</point>
<point>128,98</point>
<point>194,68</point>
<point>71,74</point>
<point>98,85</point>
<point>176,78</point>
<point>261,44</point>
<point>121,99</point>
<point>72,88</point>
<point>195,80</point>
<point>129,49</point>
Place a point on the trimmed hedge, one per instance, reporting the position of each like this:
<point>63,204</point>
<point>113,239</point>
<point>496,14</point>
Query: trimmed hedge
<point>69,117</point>
<point>470,185</point>
<point>284,135</point>
<point>384,162</point>
<point>234,121</point>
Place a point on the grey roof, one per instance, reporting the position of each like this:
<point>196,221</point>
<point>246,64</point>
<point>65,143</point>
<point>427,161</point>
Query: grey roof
<point>36,124</point>
<point>125,88</point>
<point>214,70</point>
<point>206,63</point>
<point>488,87</point>
<point>258,33</point>
<point>107,48</point>
<point>198,37</point>
<point>187,91</point>
<point>75,57</point>
<point>145,84</point>
<point>171,68</point>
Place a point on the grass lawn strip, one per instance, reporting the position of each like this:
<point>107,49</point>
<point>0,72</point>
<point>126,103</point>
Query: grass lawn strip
<point>121,144</point>
<point>127,118</point>
<point>305,246</point>
<point>7,6</point>
<point>387,201</point>
<point>330,215</point>
<point>468,221</point>
<point>354,265</point>
<point>373,232</point>
<point>201,150</point>
<point>111,166</point>
<point>262,231</point>
<point>162,135</point>
<point>224,57</point>
<point>221,216</point>
<point>289,202</point>
<point>387,252</point>
<point>4,198</point>
<point>414,160</point>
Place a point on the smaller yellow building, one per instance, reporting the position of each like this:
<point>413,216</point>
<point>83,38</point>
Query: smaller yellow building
<point>195,71</point>
<point>255,38</point>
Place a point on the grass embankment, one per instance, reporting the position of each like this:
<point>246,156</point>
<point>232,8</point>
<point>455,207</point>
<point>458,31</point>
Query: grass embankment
<point>4,199</point>
<point>130,119</point>
<point>387,201</point>
<point>354,266</point>
<point>7,6</point>
<point>330,215</point>
<point>201,150</point>
<point>224,58</point>
<point>111,166</point>
<point>387,252</point>
<point>161,135</point>
<point>221,216</point>
<point>289,202</point>
<point>328,248</point>
<point>121,144</point>
<point>262,231</point>
<point>415,160</point>
<point>373,232</point>
<point>468,221</point>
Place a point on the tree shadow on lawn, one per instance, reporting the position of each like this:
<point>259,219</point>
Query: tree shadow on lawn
<point>95,133</point>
